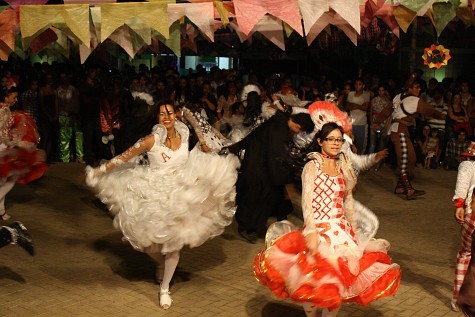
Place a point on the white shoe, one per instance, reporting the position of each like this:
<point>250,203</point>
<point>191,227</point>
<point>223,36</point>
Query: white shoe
<point>165,298</point>
<point>453,305</point>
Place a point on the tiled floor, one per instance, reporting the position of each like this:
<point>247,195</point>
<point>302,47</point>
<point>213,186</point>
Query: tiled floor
<point>82,268</point>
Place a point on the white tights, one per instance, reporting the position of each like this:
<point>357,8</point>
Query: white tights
<point>4,189</point>
<point>311,311</point>
<point>170,262</point>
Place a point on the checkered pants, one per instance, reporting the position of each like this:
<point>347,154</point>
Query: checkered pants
<point>464,254</point>
<point>406,156</point>
<point>402,137</point>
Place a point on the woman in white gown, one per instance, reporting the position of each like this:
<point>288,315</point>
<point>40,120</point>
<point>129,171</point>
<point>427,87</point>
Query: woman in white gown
<point>174,201</point>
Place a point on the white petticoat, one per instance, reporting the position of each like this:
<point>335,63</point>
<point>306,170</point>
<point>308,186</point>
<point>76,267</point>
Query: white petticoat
<point>167,208</point>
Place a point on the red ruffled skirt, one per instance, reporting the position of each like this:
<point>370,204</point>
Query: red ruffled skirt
<point>289,271</point>
<point>22,164</point>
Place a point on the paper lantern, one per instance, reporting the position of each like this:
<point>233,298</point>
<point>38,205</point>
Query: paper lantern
<point>436,56</point>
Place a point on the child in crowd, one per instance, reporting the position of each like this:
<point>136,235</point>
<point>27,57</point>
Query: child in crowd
<point>432,148</point>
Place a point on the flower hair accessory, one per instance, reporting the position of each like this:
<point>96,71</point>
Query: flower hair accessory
<point>247,89</point>
<point>330,97</point>
<point>323,112</point>
<point>144,96</point>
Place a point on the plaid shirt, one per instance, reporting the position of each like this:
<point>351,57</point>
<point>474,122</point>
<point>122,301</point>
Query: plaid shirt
<point>30,102</point>
<point>454,148</point>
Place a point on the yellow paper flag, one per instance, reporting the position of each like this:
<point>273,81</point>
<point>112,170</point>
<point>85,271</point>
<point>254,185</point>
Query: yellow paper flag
<point>34,19</point>
<point>153,14</point>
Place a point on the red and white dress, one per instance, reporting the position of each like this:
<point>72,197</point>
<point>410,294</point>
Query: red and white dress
<point>20,160</point>
<point>345,268</point>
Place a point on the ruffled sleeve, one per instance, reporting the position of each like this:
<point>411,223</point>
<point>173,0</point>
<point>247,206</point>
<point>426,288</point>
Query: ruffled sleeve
<point>160,131</point>
<point>142,145</point>
<point>361,162</point>
<point>5,125</point>
<point>198,126</point>
<point>464,179</point>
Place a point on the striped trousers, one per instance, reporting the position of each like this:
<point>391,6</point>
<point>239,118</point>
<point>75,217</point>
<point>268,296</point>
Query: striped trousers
<point>464,254</point>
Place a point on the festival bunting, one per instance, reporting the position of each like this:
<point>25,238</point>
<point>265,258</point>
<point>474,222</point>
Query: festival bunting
<point>90,2</point>
<point>173,41</point>
<point>381,10</point>
<point>87,23</point>
<point>223,12</point>
<point>317,14</point>
<point>444,13</point>
<point>95,34</point>
<point>466,16</point>
<point>126,38</point>
<point>250,12</point>
<point>201,14</point>
<point>34,19</point>
<point>41,41</point>
<point>152,14</point>
<point>8,21</point>
<point>16,3</point>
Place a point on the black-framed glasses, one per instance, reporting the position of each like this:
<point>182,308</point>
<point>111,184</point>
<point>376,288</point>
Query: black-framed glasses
<point>334,140</point>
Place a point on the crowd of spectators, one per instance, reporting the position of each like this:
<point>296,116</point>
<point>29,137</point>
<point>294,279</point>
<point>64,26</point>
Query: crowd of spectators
<point>82,111</point>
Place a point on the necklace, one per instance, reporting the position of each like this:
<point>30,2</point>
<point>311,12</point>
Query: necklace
<point>329,157</point>
<point>334,158</point>
<point>172,137</point>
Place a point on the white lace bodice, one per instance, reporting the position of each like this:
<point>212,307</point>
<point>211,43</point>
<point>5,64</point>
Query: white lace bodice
<point>158,154</point>
<point>162,156</point>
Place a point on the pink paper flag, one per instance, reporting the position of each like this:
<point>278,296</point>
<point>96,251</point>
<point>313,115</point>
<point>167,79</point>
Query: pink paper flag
<point>313,10</point>
<point>379,9</point>
<point>91,2</point>
<point>16,3</point>
<point>336,20</point>
<point>201,14</point>
<point>250,12</point>
<point>385,13</point>
<point>239,33</point>
<point>272,29</point>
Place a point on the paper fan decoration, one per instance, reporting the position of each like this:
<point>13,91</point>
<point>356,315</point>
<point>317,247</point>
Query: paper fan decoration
<point>323,112</point>
<point>436,56</point>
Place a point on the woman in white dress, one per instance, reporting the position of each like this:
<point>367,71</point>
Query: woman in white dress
<point>174,201</point>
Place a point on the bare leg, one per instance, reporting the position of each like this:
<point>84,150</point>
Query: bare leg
<point>4,190</point>
<point>310,309</point>
<point>333,313</point>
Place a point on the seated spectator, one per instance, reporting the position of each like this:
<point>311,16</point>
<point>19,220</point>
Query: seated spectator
<point>456,146</point>
<point>437,101</point>
<point>420,141</point>
<point>432,150</point>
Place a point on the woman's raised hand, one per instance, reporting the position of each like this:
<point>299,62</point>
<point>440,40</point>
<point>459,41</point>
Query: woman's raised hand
<point>381,155</point>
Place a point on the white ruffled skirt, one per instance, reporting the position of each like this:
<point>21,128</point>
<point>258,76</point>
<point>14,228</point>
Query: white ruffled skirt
<point>164,209</point>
